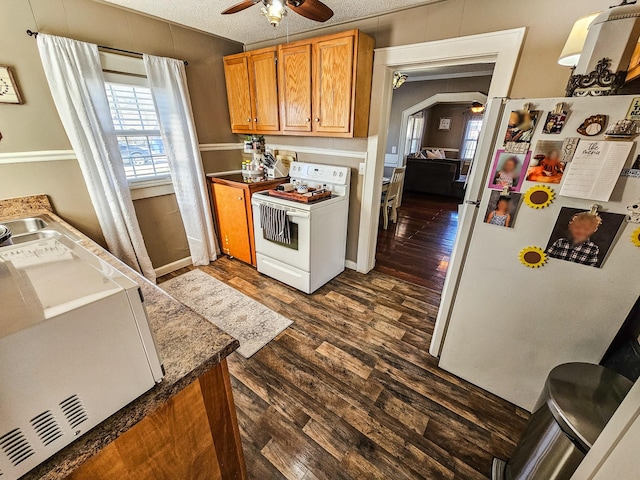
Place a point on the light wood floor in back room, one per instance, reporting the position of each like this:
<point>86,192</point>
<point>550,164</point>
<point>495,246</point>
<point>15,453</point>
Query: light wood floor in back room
<point>349,391</point>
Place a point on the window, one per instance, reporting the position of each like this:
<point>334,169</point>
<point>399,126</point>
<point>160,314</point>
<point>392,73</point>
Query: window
<point>138,132</point>
<point>471,136</point>
<point>415,128</point>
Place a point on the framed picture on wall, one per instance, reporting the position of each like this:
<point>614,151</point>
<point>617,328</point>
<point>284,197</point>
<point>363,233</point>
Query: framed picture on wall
<point>445,123</point>
<point>8,89</point>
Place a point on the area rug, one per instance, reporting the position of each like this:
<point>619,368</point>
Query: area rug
<point>253,324</point>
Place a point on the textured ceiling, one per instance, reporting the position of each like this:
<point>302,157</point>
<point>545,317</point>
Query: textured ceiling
<point>250,26</point>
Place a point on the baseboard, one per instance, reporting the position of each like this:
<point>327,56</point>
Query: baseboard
<point>173,266</point>
<point>350,265</point>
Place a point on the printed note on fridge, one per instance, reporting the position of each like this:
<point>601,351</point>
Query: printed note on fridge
<point>595,169</point>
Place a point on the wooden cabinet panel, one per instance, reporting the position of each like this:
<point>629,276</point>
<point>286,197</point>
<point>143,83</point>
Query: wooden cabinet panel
<point>264,87</point>
<point>193,436</point>
<point>319,86</point>
<point>333,92</point>
<point>294,75</point>
<point>236,72</point>
<point>232,219</point>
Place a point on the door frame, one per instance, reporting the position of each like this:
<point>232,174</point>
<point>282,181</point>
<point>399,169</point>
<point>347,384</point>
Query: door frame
<point>501,48</point>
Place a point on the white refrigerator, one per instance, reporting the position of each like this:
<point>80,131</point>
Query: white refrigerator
<point>503,326</point>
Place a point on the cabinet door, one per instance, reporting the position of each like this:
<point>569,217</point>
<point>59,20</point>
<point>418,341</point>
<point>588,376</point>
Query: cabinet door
<point>294,75</point>
<point>333,89</point>
<point>264,85</point>
<point>236,73</point>
<point>232,220</point>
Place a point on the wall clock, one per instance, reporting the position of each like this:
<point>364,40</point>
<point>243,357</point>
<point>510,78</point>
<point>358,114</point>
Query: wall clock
<point>8,89</point>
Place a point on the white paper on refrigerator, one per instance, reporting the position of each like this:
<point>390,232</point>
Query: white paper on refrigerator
<point>595,169</point>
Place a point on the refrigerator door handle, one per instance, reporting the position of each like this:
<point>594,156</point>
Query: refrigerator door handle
<point>473,202</point>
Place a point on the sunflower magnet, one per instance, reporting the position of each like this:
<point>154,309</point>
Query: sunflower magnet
<point>539,196</point>
<point>533,257</point>
<point>635,237</point>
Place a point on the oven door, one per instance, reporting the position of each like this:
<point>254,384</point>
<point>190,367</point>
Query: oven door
<point>295,254</point>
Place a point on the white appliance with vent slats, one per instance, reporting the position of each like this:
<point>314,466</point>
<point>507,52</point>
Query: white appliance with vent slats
<point>75,347</point>
<point>318,230</point>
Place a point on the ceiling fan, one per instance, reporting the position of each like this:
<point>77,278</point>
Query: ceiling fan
<point>274,10</point>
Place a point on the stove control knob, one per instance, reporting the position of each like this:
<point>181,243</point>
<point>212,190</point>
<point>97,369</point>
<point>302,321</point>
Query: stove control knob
<point>334,173</point>
<point>341,173</point>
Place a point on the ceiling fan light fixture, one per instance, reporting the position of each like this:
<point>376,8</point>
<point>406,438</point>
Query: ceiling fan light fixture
<point>274,10</point>
<point>399,79</point>
<point>477,107</point>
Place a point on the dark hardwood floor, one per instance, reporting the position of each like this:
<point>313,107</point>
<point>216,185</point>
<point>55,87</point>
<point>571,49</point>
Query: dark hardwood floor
<point>349,391</point>
<point>418,246</point>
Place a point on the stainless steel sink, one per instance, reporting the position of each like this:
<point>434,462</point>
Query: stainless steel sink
<point>25,225</point>
<point>28,237</point>
<point>36,228</point>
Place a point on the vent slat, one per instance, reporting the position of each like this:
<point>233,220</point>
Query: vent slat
<point>74,411</point>
<point>47,427</point>
<point>16,447</point>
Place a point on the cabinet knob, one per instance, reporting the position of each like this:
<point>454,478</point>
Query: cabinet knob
<point>308,119</point>
<point>317,119</point>
<point>248,119</point>
<point>255,119</point>
<point>239,198</point>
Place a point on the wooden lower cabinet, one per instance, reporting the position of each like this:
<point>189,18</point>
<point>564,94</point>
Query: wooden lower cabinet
<point>194,435</point>
<point>234,214</point>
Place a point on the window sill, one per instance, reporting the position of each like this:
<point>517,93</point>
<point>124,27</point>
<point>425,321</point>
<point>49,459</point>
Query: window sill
<point>151,188</point>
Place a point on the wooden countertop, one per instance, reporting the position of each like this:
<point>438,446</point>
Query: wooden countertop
<point>188,344</point>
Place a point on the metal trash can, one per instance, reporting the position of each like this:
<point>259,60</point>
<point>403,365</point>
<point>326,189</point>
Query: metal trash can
<point>576,403</point>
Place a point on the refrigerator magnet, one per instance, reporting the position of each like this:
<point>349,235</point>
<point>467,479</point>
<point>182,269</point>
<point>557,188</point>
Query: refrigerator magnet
<point>522,124</point>
<point>539,196</point>
<point>635,237</point>
<point>593,125</point>
<point>556,120</point>
<point>546,166</point>
<point>584,236</point>
<point>509,170</point>
<point>533,257</point>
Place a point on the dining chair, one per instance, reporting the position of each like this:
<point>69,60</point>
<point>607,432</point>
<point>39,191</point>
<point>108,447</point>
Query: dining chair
<point>390,197</point>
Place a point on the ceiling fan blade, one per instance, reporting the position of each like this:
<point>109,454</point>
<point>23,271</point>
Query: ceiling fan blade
<point>312,9</point>
<point>239,7</point>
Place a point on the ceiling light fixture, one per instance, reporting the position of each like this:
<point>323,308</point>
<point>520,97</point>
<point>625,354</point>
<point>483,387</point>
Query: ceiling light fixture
<point>274,10</point>
<point>477,107</point>
<point>399,79</point>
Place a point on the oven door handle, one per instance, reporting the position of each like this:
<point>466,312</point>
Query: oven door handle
<point>297,215</point>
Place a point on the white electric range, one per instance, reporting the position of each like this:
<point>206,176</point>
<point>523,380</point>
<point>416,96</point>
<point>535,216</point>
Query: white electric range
<point>318,245</point>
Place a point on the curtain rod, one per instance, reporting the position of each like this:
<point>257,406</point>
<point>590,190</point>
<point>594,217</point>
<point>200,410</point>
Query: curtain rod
<point>33,34</point>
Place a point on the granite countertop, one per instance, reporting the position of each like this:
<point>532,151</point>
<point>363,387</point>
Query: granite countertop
<point>188,344</point>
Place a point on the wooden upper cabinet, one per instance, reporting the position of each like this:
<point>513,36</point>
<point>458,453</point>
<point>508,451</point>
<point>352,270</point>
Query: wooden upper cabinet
<point>264,90</point>
<point>332,95</point>
<point>236,72</point>
<point>321,87</point>
<point>294,76</point>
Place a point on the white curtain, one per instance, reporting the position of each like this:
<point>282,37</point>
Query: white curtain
<point>75,78</point>
<point>168,83</point>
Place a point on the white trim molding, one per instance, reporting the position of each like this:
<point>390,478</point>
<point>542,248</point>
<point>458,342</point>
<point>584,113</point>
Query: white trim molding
<point>350,265</point>
<point>501,48</point>
<point>215,147</point>
<point>173,266</point>
<point>37,156</point>
<point>59,155</point>
<point>320,151</point>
